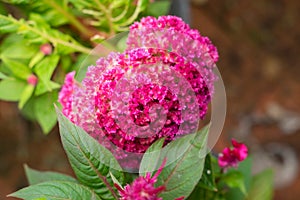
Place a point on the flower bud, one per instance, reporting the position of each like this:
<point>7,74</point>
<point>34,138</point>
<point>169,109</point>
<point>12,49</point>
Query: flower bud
<point>46,49</point>
<point>32,80</point>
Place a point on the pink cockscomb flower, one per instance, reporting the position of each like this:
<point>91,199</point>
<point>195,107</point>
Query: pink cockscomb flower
<point>230,157</point>
<point>129,100</point>
<point>142,188</point>
<point>173,34</point>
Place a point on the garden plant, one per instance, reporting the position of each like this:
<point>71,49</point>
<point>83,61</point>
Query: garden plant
<point>134,91</point>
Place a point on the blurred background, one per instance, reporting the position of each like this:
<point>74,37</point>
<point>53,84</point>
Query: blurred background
<point>258,43</point>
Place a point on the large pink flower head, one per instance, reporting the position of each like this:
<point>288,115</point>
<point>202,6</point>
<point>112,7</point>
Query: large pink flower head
<point>133,99</point>
<point>172,33</point>
<point>230,157</point>
<point>129,100</point>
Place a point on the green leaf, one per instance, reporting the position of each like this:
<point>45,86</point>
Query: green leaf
<point>35,176</point>
<point>41,88</point>
<point>245,168</point>
<point>151,157</point>
<point>28,110</point>
<point>158,8</point>
<point>235,179</point>
<point>11,89</point>
<point>18,49</point>
<point>66,63</point>
<point>207,180</point>
<point>89,159</point>
<point>18,1</point>
<point>39,32</point>
<point>262,186</point>
<point>17,68</point>
<point>115,180</point>
<point>45,112</point>
<point>181,176</point>
<point>6,26</point>
<point>36,58</point>
<point>53,190</point>
<point>45,69</point>
<point>26,94</point>
<point>2,76</point>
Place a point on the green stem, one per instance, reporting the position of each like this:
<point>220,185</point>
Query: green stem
<point>122,15</point>
<point>73,20</point>
<point>134,15</point>
<point>107,13</point>
<point>53,40</point>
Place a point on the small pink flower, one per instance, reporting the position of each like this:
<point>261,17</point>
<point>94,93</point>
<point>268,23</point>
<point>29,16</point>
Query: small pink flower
<point>32,80</point>
<point>230,157</point>
<point>46,49</point>
<point>142,188</point>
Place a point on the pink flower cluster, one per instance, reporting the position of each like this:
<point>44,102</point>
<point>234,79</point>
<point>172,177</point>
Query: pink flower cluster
<point>129,100</point>
<point>142,188</point>
<point>172,33</point>
<point>230,157</point>
<point>91,105</point>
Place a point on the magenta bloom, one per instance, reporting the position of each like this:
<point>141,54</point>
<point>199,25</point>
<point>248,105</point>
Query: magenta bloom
<point>142,188</point>
<point>230,157</point>
<point>159,87</point>
<point>118,98</point>
<point>173,34</point>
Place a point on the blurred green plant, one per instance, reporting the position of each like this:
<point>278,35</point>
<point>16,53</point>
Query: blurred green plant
<point>42,40</point>
<point>236,183</point>
<point>192,176</point>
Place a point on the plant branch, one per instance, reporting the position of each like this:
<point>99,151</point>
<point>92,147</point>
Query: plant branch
<point>131,19</point>
<point>73,20</point>
<point>107,13</point>
<point>52,39</point>
<point>122,15</point>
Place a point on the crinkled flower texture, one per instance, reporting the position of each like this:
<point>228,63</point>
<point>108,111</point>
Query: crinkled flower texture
<point>129,100</point>
<point>172,33</point>
<point>230,157</point>
<point>133,99</point>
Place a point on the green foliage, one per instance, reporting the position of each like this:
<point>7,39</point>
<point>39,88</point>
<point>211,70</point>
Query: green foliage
<point>151,157</point>
<point>234,184</point>
<point>208,177</point>
<point>261,186</point>
<point>51,190</point>
<point>89,159</point>
<point>187,172</point>
<point>44,110</point>
<point>71,27</point>
<point>11,89</point>
<point>182,173</point>
<point>35,176</point>
<point>158,8</point>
